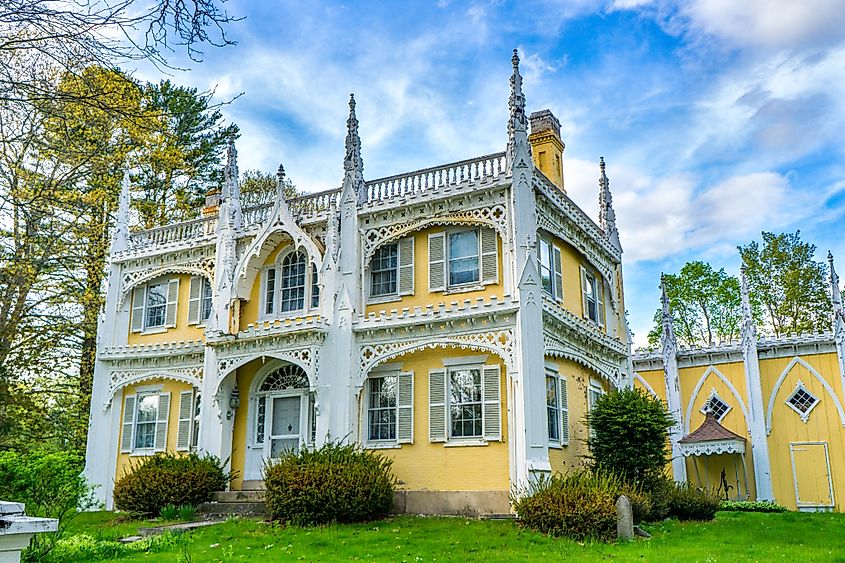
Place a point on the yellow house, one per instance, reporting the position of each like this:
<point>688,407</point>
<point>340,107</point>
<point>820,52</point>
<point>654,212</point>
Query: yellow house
<point>771,410</point>
<point>460,319</point>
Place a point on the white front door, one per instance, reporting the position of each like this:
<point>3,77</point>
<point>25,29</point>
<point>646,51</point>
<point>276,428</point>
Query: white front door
<point>284,418</point>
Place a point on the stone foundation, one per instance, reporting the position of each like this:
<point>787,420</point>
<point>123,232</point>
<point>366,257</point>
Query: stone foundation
<point>460,503</point>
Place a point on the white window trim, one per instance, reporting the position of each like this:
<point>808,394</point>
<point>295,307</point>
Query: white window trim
<point>158,329</point>
<point>388,442</point>
<point>805,416</point>
<point>713,393</point>
<point>550,242</point>
<point>140,393</point>
<point>202,322</point>
<point>462,440</point>
<point>307,309</point>
<point>384,297</point>
<point>597,292</point>
<point>469,286</point>
<point>554,374</point>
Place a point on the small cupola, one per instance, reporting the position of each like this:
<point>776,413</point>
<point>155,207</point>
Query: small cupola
<point>547,146</point>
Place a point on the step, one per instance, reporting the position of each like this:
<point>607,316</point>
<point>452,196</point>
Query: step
<point>233,508</point>
<point>237,496</point>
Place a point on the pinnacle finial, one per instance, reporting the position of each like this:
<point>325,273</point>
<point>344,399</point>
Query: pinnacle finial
<point>601,165</point>
<point>518,122</point>
<point>607,216</point>
<point>280,173</point>
<point>352,162</point>
<point>515,60</point>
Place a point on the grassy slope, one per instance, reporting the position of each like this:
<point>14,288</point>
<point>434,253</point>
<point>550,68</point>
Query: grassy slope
<point>731,537</point>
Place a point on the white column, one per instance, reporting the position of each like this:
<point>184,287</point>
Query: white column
<point>838,319</point>
<point>673,388</point>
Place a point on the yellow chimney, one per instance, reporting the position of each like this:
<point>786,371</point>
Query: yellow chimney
<point>547,146</point>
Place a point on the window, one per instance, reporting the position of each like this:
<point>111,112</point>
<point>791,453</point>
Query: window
<point>156,306</point>
<point>465,412</point>
<point>384,273</point>
<point>315,287</point>
<point>802,401</point>
<point>553,407</point>
<point>594,393</point>
<point>145,422</point>
<point>463,258</point>
<point>546,267</point>
<point>293,282</point>
<point>381,411</point>
<point>716,406</point>
<point>593,300</point>
<point>195,429</point>
<point>270,291</point>
<point>205,307</point>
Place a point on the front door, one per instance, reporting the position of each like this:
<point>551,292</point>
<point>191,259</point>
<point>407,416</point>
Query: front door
<point>811,474</point>
<point>285,417</point>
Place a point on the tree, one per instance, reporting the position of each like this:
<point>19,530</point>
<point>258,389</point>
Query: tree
<point>789,284</point>
<point>259,188</point>
<point>705,305</point>
<point>630,434</point>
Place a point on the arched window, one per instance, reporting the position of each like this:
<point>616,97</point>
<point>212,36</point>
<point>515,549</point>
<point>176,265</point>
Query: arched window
<point>293,282</point>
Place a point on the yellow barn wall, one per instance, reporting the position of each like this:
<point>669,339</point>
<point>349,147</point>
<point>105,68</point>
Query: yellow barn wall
<point>565,459</point>
<point>421,296</point>
<point>167,386</point>
<point>823,425</point>
<point>656,379</point>
<point>709,470</point>
<point>426,466</point>
<point>182,330</point>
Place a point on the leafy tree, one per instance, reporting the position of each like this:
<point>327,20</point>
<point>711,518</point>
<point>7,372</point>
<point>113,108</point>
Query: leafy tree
<point>259,188</point>
<point>630,434</point>
<point>705,305</point>
<point>788,283</point>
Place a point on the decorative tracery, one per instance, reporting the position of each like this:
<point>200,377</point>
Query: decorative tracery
<point>289,376</point>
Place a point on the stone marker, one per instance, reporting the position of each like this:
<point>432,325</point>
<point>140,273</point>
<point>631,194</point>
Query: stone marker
<point>16,529</point>
<point>624,519</point>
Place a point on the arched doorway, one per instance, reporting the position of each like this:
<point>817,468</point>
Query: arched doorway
<point>282,417</point>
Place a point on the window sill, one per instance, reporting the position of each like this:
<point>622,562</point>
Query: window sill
<point>155,330</point>
<point>377,300</point>
<point>381,446</point>
<point>457,443</point>
<point>142,453</point>
<point>463,289</point>
<point>555,446</point>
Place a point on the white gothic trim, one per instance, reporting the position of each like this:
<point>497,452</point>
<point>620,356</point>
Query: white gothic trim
<point>795,361</point>
<point>728,384</point>
<point>713,448</point>
<point>133,278</point>
<point>645,384</point>
<point>120,378</point>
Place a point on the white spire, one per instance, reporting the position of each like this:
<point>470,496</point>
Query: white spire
<point>120,241</point>
<point>519,151</point>
<point>607,216</point>
<point>353,164</point>
<point>231,187</point>
<point>836,299</point>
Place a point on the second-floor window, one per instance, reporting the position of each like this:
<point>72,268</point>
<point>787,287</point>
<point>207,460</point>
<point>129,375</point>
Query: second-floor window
<point>154,305</point>
<point>199,302</point>
<point>461,259</point>
<point>289,286</point>
<point>593,301</point>
<point>550,265</point>
<point>384,272</point>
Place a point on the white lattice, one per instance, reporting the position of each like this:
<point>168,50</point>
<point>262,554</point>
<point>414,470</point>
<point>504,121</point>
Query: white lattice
<point>713,448</point>
<point>120,378</point>
<point>135,277</point>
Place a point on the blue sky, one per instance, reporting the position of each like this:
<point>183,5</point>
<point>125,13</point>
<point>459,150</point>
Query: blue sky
<point>717,118</point>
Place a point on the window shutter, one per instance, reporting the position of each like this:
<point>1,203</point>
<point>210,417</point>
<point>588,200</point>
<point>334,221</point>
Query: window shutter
<point>195,300</point>
<point>585,291</point>
<point>405,408</point>
<point>564,412</point>
<point>138,296</point>
<point>172,302</point>
<point>406,266</point>
<point>126,437</point>
<point>558,266</point>
<point>489,256</point>
<point>186,415</point>
<point>437,405</point>
<point>161,422</point>
<point>491,403</point>
<point>437,262</point>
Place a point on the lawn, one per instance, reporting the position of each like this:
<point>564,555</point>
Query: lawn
<point>731,537</point>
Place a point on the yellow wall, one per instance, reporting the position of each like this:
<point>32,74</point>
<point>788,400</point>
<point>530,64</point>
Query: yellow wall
<point>568,458</point>
<point>421,296</point>
<point>244,377</point>
<point>547,153</point>
<point>656,380</point>
<point>434,466</point>
<point>167,386</point>
<point>823,425</point>
<point>182,330</point>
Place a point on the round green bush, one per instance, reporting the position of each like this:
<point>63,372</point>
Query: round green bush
<point>152,483</point>
<point>333,483</point>
<point>579,506</point>
<point>751,506</point>
<point>689,502</point>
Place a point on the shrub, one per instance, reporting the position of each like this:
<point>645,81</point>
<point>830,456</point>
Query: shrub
<point>152,483</point>
<point>751,506</point>
<point>51,485</point>
<point>640,502</point>
<point>187,512</point>
<point>660,489</point>
<point>692,503</point>
<point>630,434</point>
<point>579,506</point>
<point>168,512</point>
<point>333,483</point>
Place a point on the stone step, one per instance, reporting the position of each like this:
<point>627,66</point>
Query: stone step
<point>237,496</point>
<point>233,508</point>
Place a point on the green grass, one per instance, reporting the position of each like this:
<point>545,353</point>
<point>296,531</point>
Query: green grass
<point>731,537</point>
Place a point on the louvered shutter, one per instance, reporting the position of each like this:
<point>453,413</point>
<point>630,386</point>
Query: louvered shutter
<point>558,273</point>
<point>405,408</point>
<point>437,405</point>
<point>128,431</point>
<point>491,405</point>
<point>195,300</point>
<point>138,296</point>
<point>406,266</point>
<point>186,408</point>
<point>161,422</point>
<point>489,256</point>
<point>437,262</point>
<point>585,291</point>
<point>172,302</point>
<point>564,412</point>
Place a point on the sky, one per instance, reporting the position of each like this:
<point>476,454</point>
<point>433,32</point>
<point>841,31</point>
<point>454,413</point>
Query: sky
<point>717,118</point>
